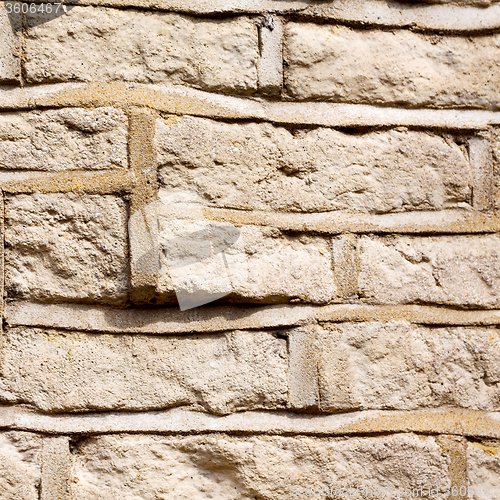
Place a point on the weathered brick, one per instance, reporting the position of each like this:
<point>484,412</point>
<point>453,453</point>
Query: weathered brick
<point>263,167</point>
<point>65,139</point>
<point>100,44</point>
<point>401,366</point>
<point>483,470</point>
<point>453,270</point>
<point>264,265</point>
<point>218,373</point>
<point>9,47</point>
<point>400,67</point>
<point>20,458</point>
<point>66,247</point>
<point>277,468</point>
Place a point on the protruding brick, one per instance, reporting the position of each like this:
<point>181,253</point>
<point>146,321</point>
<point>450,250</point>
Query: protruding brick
<point>391,67</point>
<point>66,247</point>
<point>58,372</point>
<point>278,468</point>
<point>100,44</point>
<point>64,139</point>
<point>453,270</point>
<point>264,167</point>
<point>400,366</point>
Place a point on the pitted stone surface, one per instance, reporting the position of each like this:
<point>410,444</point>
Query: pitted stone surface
<point>346,65</point>
<point>453,270</point>
<point>66,247</point>
<point>99,44</point>
<point>9,47</point>
<point>20,460</point>
<point>483,470</point>
<point>254,166</point>
<point>65,139</point>
<point>220,374</point>
<point>270,468</point>
<point>267,266</point>
<point>400,366</point>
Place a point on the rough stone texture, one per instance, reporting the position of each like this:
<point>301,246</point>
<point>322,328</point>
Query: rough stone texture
<point>269,468</point>
<point>400,366</point>
<point>495,146</point>
<point>258,166</point>
<point>77,372</point>
<point>64,139</point>
<point>20,457</point>
<point>454,270</point>
<point>266,266</point>
<point>66,247</point>
<point>9,47</point>
<point>347,65</point>
<point>98,44</point>
<point>483,470</point>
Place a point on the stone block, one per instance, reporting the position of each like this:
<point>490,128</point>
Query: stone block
<point>401,366</point>
<point>259,166</point>
<point>391,67</point>
<point>217,373</point>
<point>63,139</point>
<point>452,270</point>
<point>66,247</point>
<point>101,44</point>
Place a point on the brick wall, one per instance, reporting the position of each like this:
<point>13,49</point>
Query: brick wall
<point>355,146</point>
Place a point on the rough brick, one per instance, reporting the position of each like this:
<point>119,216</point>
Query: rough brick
<point>9,47</point>
<point>66,247</point>
<point>453,270</point>
<point>277,468</point>
<point>263,167</point>
<point>66,139</point>
<point>401,67</point>
<point>20,457</point>
<point>400,366</point>
<point>265,266</point>
<point>99,44</point>
<point>483,470</point>
<point>77,372</point>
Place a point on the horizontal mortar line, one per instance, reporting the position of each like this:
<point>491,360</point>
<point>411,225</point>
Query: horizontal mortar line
<point>433,421</point>
<point>165,321</point>
<point>444,222</point>
<point>455,18</point>
<point>180,100</point>
<point>101,182</point>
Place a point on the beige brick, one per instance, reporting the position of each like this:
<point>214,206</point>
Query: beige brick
<point>453,270</point>
<point>99,44</point>
<point>483,470</point>
<point>401,366</point>
<point>400,67</point>
<point>264,167</point>
<point>277,468</point>
<point>65,139</point>
<point>218,373</point>
<point>20,457</point>
<point>9,46</point>
<point>66,247</point>
<point>265,266</point>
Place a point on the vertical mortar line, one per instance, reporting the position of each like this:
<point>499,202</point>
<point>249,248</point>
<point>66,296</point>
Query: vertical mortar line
<point>270,65</point>
<point>56,468</point>
<point>143,164</point>
<point>456,449</point>
<point>345,265</point>
<point>303,368</point>
<point>481,159</point>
